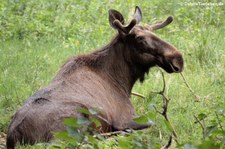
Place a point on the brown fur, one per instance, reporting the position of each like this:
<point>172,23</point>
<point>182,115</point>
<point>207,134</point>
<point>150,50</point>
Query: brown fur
<point>102,79</point>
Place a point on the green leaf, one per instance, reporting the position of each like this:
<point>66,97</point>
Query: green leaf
<point>137,143</point>
<point>72,122</point>
<point>141,119</point>
<point>83,121</point>
<point>124,143</point>
<point>83,110</point>
<point>63,135</point>
<point>93,111</point>
<point>168,125</point>
<point>202,116</point>
<point>209,130</point>
<point>95,121</point>
<point>93,141</point>
<point>209,144</point>
<point>151,115</point>
<point>75,134</point>
<point>146,118</point>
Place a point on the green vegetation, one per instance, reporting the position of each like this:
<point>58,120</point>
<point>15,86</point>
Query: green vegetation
<point>37,37</point>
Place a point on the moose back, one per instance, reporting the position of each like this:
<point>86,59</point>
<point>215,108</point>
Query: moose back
<point>102,79</point>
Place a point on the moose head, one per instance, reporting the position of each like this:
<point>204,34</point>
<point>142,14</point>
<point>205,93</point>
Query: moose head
<point>147,49</point>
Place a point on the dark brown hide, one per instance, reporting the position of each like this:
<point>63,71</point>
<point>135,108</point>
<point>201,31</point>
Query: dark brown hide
<point>102,80</point>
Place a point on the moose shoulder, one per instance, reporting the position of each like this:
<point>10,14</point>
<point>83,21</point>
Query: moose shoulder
<point>102,80</point>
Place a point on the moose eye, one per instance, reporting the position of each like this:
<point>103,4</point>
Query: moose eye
<point>139,39</point>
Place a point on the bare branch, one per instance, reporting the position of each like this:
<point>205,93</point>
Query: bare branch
<point>165,109</point>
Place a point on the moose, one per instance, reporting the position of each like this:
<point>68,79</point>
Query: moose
<point>102,79</point>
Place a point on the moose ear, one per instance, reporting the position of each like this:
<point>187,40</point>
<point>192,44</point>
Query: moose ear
<point>138,14</point>
<point>115,15</point>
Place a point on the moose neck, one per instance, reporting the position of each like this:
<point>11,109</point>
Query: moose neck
<point>114,61</point>
<point>119,67</point>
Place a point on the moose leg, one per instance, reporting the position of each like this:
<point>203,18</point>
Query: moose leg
<point>133,125</point>
<point>136,126</point>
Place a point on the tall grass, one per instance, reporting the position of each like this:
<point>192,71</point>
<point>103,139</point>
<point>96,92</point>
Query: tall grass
<point>36,38</point>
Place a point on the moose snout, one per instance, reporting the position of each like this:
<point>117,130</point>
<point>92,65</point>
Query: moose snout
<point>177,64</point>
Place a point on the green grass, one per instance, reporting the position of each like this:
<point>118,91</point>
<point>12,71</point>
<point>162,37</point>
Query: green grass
<point>37,37</point>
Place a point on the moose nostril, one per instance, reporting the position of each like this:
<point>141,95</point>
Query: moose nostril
<point>177,64</point>
<point>176,68</point>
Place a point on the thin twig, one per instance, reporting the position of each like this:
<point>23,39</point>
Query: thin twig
<point>169,142</point>
<point>112,133</point>
<point>157,110</point>
<point>202,126</point>
<point>197,97</point>
<point>164,112</point>
<point>164,83</point>
<point>190,89</point>
<point>160,137</point>
<point>138,95</point>
<point>219,121</point>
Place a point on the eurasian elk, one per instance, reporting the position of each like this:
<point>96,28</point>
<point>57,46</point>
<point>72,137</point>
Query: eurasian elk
<point>102,80</point>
